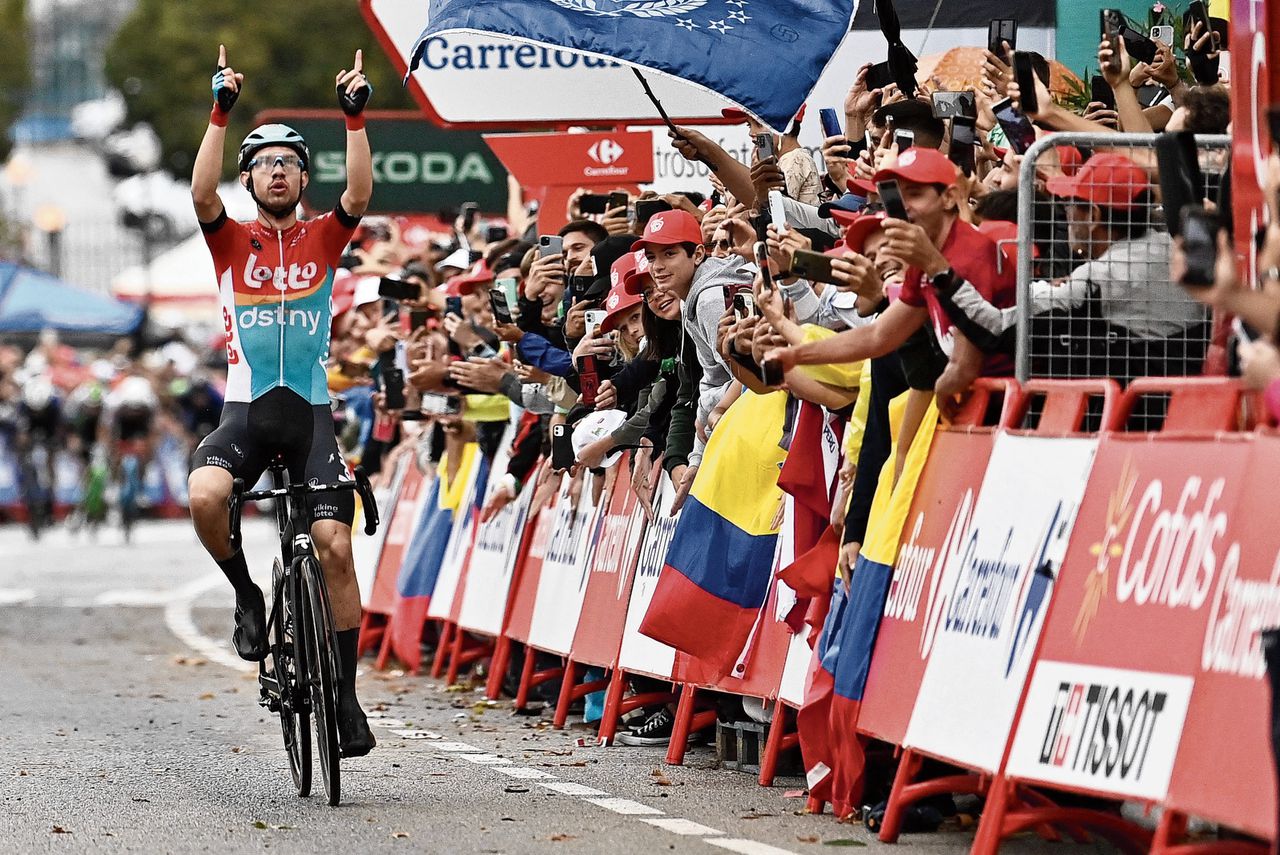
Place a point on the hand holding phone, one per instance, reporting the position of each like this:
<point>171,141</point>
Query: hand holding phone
<point>777,211</point>
<point>1200,247</point>
<point>891,197</point>
<point>1017,127</point>
<point>813,266</point>
<point>498,303</point>
<point>1025,76</point>
<point>765,147</point>
<point>550,245</point>
<point>831,126</point>
<point>999,31</point>
<point>762,260</point>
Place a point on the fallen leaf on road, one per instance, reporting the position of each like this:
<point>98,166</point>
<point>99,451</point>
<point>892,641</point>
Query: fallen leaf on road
<point>237,749</point>
<point>57,829</point>
<point>207,696</point>
<point>560,838</point>
<point>755,815</point>
<point>516,789</point>
<point>22,773</point>
<point>843,841</point>
<point>400,835</point>
<point>808,838</point>
<point>257,823</point>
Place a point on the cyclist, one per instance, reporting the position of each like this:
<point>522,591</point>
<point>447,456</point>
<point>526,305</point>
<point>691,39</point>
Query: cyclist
<point>275,277</point>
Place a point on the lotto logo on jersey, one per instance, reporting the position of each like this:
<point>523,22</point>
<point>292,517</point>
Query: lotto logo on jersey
<point>267,283</point>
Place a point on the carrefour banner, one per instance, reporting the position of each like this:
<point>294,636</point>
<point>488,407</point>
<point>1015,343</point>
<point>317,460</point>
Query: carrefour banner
<point>1151,682</point>
<point>996,592</point>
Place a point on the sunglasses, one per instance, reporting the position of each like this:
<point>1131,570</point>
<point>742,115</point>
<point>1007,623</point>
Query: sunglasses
<point>723,243</point>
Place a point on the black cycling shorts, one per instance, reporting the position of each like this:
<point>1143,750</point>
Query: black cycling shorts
<point>133,422</point>
<point>281,422</point>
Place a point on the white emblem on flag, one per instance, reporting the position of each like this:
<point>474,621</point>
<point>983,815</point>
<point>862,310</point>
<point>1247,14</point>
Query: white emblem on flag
<point>639,8</point>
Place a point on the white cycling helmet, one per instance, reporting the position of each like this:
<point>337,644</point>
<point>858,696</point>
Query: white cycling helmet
<point>37,393</point>
<point>273,134</point>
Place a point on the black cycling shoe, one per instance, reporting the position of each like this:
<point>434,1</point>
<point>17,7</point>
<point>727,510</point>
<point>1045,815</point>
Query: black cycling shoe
<point>250,635</point>
<point>355,739</point>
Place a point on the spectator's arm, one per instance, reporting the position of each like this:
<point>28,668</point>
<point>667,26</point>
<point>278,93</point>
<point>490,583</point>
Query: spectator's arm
<point>992,330</point>
<point>540,353</point>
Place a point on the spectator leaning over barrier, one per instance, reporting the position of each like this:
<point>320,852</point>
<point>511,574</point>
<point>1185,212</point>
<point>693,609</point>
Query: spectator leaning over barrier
<point>935,245</point>
<point>679,266</point>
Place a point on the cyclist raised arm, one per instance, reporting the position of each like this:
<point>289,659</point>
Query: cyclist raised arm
<point>275,279</point>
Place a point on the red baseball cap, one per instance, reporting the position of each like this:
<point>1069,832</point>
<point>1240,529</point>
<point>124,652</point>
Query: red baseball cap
<point>735,114</point>
<point>1109,180</point>
<point>858,227</point>
<point>921,166</point>
<point>670,227</point>
<point>617,304</point>
<point>631,281</point>
<point>1004,235</point>
<point>465,283</point>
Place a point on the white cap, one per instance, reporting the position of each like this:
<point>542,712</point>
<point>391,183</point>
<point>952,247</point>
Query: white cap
<point>598,425</point>
<point>459,258</point>
<point>366,292</point>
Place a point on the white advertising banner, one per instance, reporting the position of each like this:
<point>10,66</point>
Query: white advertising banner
<point>990,605</point>
<point>455,551</point>
<point>640,654</point>
<point>493,555</point>
<point>1101,729</point>
<point>563,581</point>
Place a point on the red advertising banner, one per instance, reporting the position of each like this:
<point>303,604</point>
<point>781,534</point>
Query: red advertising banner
<point>934,533</point>
<point>529,572</point>
<point>604,605</point>
<point>1110,697</point>
<point>1255,36</point>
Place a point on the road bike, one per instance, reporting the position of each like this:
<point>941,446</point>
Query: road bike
<point>302,682</point>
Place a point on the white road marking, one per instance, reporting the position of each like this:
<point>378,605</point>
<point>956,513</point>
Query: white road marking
<point>486,759</point>
<point>16,596</point>
<point>457,747</point>
<point>143,597</point>
<point>626,807</point>
<point>569,788</point>
<point>524,773</point>
<point>747,847</point>
<point>177,616</point>
<point>676,825</point>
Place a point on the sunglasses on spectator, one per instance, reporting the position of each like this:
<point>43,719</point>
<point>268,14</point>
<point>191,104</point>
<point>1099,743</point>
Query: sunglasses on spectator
<point>723,243</point>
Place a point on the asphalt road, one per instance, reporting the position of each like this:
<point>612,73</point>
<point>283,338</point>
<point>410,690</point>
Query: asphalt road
<point>127,725</point>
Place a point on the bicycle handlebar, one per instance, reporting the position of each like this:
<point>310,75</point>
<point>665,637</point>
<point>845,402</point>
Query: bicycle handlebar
<point>360,486</point>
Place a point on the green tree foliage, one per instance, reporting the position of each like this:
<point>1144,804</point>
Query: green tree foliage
<point>165,53</point>
<point>15,67</point>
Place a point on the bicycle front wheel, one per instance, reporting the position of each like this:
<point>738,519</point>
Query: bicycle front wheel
<point>294,724</point>
<point>322,671</point>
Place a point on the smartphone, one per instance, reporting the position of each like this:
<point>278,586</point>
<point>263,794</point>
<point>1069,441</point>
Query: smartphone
<point>960,151</point>
<point>765,147</point>
<point>435,404</point>
<point>495,234</point>
<point>453,306</point>
<point>579,286</point>
<point>1163,33</point>
<point>646,208</point>
<point>1200,246</point>
<point>955,105</point>
<point>588,380</point>
<point>762,261</point>
<point>618,200</point>
<point>891,198</point>
<point>1110,23</point>
<point>831,126</point>
<point>393,388</point>
<point>777,213</point>
<point>879,76</point>
<point>418,319</point>
<point>771,372</point>
<point>511,290</point>
<point>593,203</point>
<point>904,139</point>
<point>1100,90</point>
<point>1002,30</point>
<point>562,456</point>
<point>1197,13</point>
<point>501,310</point>
<point>397,289</point>
<point>593,318</point>
<point>1181,182</point>
<point>1025,76</point>
<point>550,245</point>
<point>1141,48</point>
<point>744,304</point>
<point>813,266</point>
<point>1017,127</point>
<point>468,213</point>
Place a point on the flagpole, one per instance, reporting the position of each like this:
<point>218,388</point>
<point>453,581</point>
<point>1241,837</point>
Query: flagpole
<point>665,118</point>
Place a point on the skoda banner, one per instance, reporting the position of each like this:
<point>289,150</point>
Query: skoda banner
<point>417,167</point>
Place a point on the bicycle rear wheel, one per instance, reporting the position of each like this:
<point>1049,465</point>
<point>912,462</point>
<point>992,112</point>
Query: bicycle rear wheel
<point>294,701</point>
<point>322,672</point>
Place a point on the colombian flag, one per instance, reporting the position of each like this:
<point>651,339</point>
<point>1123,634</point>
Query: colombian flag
<point>423,558</point>
<point>849,635</point>
<point>720,562</point>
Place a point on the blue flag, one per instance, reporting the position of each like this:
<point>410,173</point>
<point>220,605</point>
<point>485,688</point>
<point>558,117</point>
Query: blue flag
<point>765,55</point>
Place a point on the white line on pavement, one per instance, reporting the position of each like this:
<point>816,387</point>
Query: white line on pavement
<point>569,788</point>
<point>747,847</point>
<point>486,759</point>
<point>626,807</point>
<point>677,825</point>
<point>177,616</point>
<point>524,773</point>
<point>457,747</point>
<point>16,596</point>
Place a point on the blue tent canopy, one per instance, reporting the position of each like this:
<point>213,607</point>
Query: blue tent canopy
<point>31,300</point>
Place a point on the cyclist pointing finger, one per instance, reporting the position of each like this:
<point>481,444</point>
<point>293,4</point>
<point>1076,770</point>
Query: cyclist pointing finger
<point>275,278</point>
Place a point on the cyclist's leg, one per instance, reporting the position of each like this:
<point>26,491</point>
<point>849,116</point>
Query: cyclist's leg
<point>333,514</point>
<point>224,455</point>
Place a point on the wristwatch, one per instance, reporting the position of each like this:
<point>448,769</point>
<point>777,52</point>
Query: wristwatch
<point>943,280</point>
